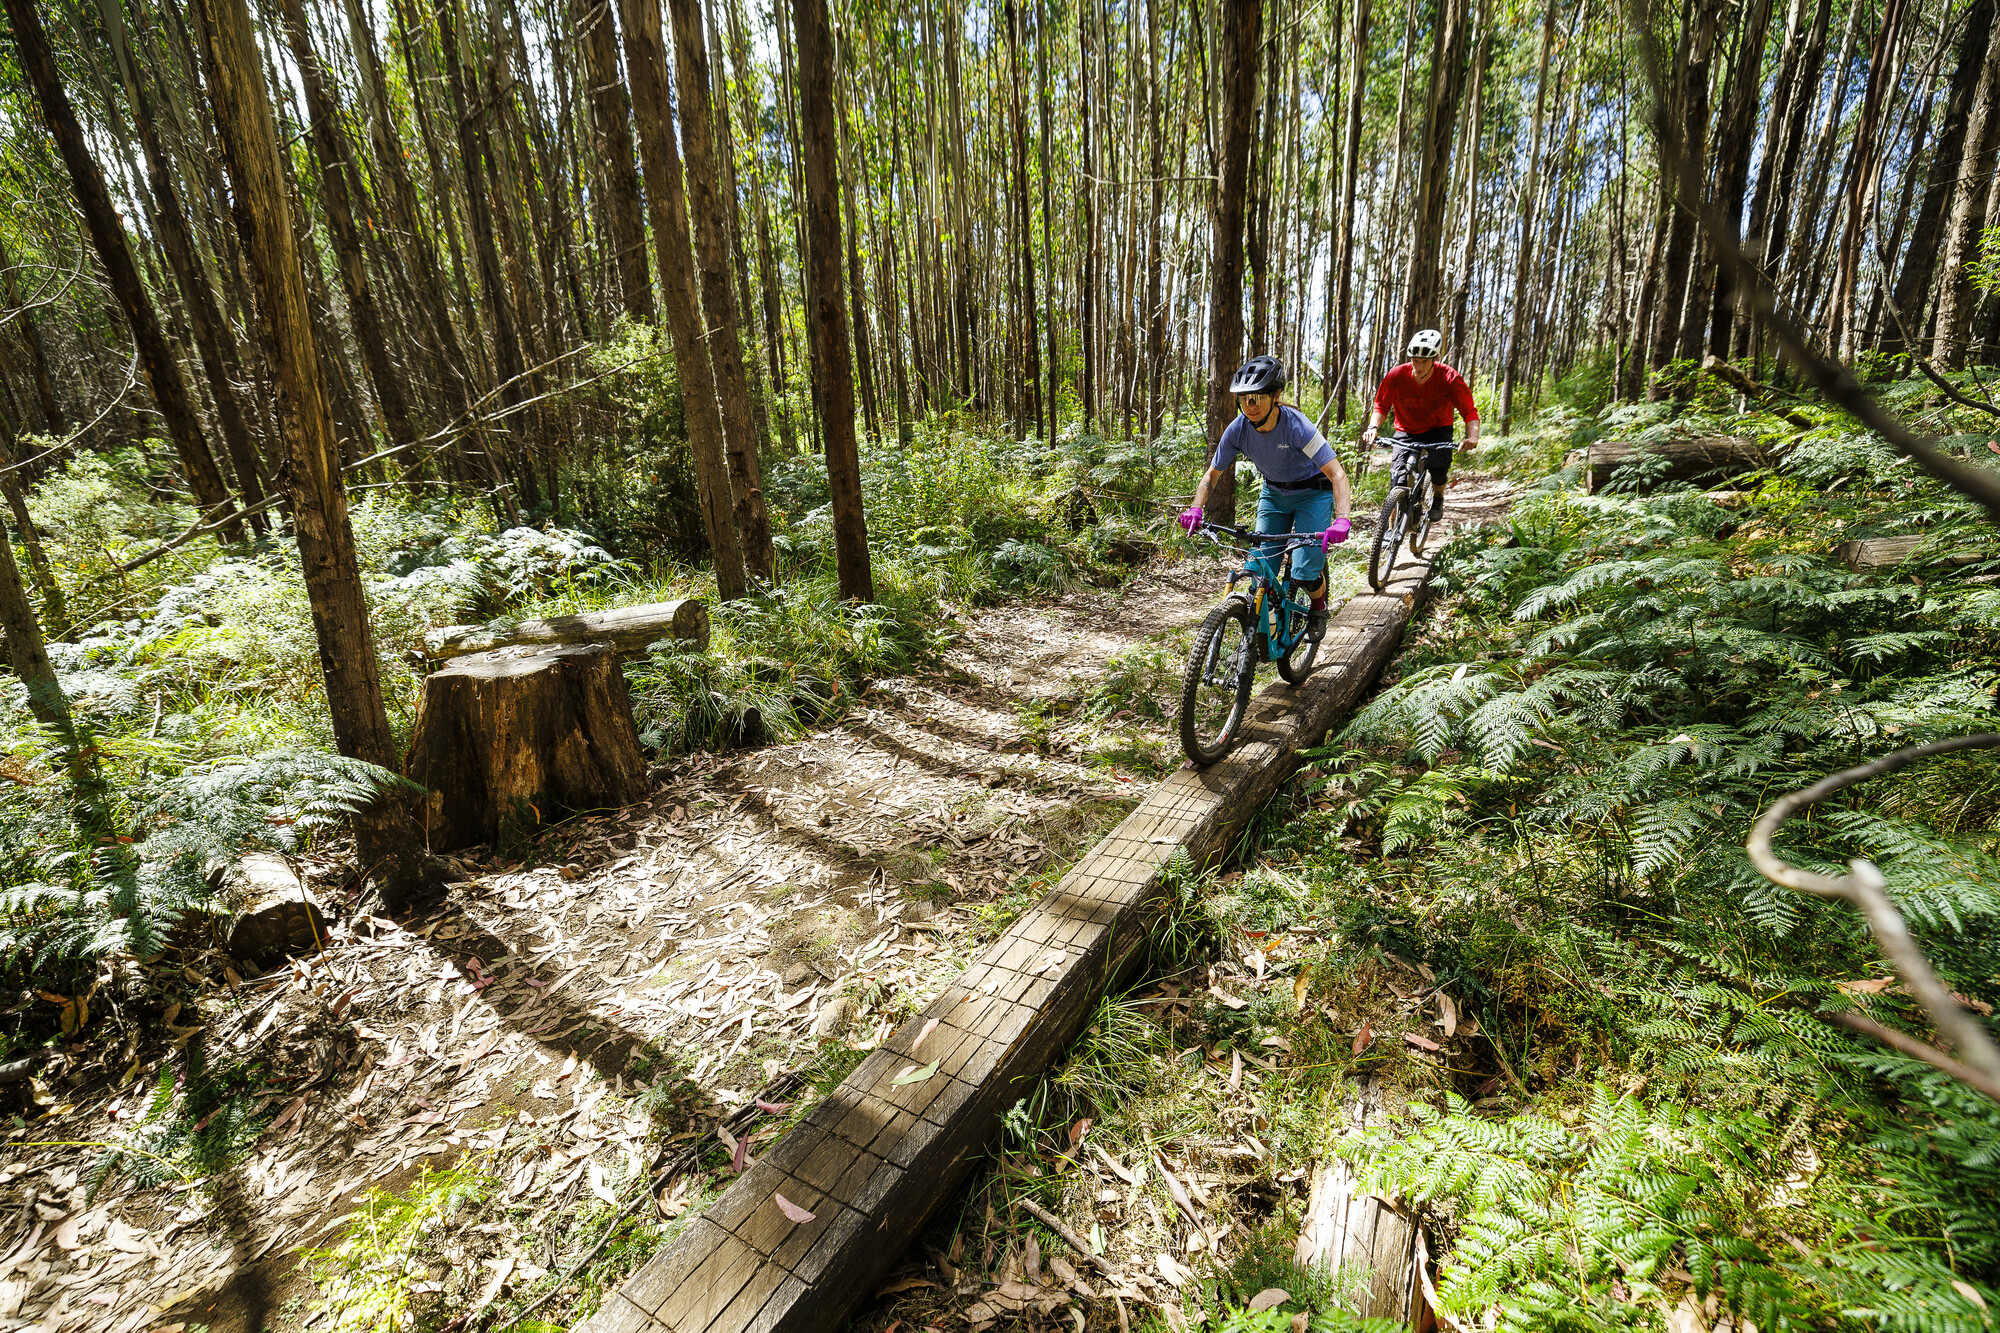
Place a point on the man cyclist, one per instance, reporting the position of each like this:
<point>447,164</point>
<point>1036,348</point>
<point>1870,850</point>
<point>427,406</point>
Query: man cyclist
<point>1423,393</point>
<point>1304,485</point>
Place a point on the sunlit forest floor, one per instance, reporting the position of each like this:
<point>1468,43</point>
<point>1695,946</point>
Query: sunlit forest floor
<point>1506,908</point>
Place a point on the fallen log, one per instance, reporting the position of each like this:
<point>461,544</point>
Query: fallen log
<point>278,919</point>
<point>518,736</point>
<point>629,629</point>
<point>1707,461</point>
<point>1888,552</point>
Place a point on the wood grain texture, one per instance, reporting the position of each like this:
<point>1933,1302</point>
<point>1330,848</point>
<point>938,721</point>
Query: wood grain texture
<point>523,734</point>
<point>873,1160</point>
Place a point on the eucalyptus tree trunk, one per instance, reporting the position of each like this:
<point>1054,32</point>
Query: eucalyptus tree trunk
<point>203,320</point>
<point>611,113</point>
<point>38,357</point>
<point>54,606</point>
<point>1679,255</point>
<point>705,174</point>
<point>1350,161</point>
<point>1967,219</point>
<point>1911,298</point>
<point>472,152</point>
<point>1461,296</point>
<point>1732,168</point>
<point>1031,374</point>
<point>371,333</point>
<point>1238,27</point>
<point>1524,248</point>
<point>1884,61</point>
<point>114,251</point>
<point>386,834</point>
<point>645,65</point>
<point>833,375</point>
<point>1425,287</point>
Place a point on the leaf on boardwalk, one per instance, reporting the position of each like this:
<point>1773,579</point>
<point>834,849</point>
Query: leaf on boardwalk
<point>790,1209</point>
<point>916,1075</point>
<point>929,1028</point>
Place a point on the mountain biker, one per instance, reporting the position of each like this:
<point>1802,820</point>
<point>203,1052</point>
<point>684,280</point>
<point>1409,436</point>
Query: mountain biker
<point>1423,393</point>
<point>1304,485</point>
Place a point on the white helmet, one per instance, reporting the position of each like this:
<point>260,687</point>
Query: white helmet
<point>1425,342</point>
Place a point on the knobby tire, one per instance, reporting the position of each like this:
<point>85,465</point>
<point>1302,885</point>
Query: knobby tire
<point>1388,537</point>
<point>1227,628</point>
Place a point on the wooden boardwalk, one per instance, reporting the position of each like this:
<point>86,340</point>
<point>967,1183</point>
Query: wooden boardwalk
<point>877,1156</point>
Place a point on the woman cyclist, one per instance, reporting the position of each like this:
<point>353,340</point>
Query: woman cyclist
<point>1305,488</point>
<point>1422,394</point>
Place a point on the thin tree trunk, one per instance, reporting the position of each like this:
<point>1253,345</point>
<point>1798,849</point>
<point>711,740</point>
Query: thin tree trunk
<point>711,238</point>
<point>1732,171</point>
<point>386,835</point>
<point>330,143</point>
<point>1884,62</point>
<point>1967,219</point>
<point>1350,160</point>
<point>114,251</point>
<point>1524,250</point>
<point>611,113</point>
<point>645,66</point>
<point>833,375</point>
<point>1425,285</point>
<point>1238,24</point>
<point>1911,297</point>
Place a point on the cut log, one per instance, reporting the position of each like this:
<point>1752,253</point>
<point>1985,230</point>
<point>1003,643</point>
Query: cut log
<point>1888,552</point>
<point>519,736</point>
<point>1703,462</point>
<point>1365,1233</point>
<point>629,629</point>
<point>279,918</point>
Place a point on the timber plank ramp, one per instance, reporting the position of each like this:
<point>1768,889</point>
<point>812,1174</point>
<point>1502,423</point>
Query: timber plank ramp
<point>872,1160</point>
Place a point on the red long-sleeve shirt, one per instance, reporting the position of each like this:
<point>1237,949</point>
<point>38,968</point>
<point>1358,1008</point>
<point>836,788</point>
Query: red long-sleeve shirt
<point>1426,406</point>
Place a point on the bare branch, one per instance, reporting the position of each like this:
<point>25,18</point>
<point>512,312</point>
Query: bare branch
<point>1863,889</point>
<point>1916,1050</point>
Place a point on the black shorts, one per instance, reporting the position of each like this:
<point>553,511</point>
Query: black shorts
<point>1430,449</point>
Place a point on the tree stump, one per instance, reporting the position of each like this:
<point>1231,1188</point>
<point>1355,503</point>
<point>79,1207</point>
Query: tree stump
<point>1376,1243</point>
<point>1706,461</point>
<point>520,736</point>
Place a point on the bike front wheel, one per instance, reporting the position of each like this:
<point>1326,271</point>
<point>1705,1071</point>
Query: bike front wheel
<point>1215,689</point>
<point>1388,536</point>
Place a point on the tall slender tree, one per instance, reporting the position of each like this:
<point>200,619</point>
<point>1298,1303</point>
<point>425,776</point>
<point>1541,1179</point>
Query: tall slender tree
<point>1238,30</point>
<point>833,370</point>
<point>114,251</point>
<point>387,834</point>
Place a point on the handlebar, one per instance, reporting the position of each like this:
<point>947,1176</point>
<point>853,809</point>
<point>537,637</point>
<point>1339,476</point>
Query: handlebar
<point>1208,528</point>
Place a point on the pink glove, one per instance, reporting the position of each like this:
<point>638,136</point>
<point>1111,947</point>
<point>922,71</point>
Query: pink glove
<point>1190,518</point>
<point>1336,534</point>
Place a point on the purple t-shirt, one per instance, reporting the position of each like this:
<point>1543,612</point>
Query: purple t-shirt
<point>1290,452</point>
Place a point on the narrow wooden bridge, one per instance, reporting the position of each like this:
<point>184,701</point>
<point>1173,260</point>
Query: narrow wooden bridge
<point>867,1167</point>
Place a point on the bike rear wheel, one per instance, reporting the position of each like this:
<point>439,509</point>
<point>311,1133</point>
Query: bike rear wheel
<point>1420,516</point>
<point>1297,664</point>
<point>1215,688</point>
<point>1389,530</point>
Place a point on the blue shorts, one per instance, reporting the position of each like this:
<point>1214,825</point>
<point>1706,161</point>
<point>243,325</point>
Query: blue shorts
<point>1280,512</point>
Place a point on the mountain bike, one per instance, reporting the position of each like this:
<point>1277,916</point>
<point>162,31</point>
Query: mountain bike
<point>1406,516</point>
<point>1263,622</point>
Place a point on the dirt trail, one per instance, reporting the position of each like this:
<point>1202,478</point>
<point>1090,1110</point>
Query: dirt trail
<point>564,1026</point>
